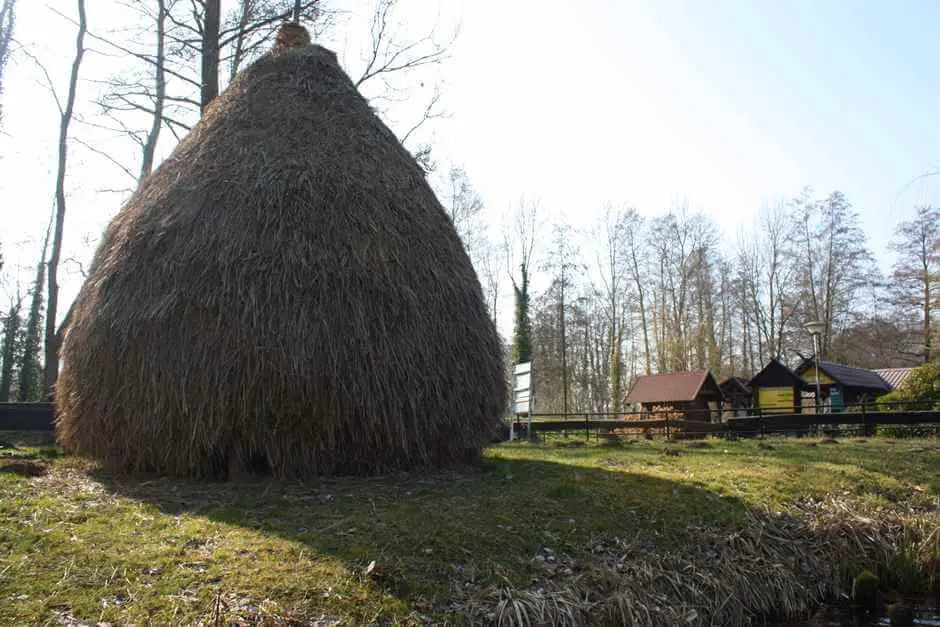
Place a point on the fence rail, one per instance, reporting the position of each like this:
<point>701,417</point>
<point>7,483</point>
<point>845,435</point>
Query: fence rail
<point>864,422</point>
<point>26,416</point>
<point>40,417</point>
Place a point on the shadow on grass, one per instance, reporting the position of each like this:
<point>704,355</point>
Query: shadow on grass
<point>584,527</point>
<point>429,534</point>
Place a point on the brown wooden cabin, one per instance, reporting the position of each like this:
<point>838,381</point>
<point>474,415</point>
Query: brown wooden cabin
<point>696,394</point>
<point>777,389</point>
<point>842,386</point>
<point>739,398</point>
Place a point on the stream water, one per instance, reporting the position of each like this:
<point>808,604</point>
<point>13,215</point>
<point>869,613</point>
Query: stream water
<point>844,616</point>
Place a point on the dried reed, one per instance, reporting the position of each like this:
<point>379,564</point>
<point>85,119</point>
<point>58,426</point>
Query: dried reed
<point>284,290</point>
<point>779,565</point>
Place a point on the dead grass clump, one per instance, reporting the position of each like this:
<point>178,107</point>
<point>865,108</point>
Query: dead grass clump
<point>24,467</point>
<point>284,294</point>
<point>777,565</point>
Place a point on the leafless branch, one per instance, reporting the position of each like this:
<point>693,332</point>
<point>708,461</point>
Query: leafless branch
<point>79,264</point>
<point>387,57</point>
<point>102,153</point>
<point>428,114</point>
<point>49,84</point>
<point>137,55</point>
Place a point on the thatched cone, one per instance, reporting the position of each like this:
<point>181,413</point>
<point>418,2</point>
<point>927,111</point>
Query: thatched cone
<point>285,290</point>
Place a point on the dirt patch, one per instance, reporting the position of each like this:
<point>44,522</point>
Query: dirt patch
<point>24,467</point>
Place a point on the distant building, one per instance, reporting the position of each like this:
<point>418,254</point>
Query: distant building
<point>842,386</point>
<point>696,394</point>
<point>738,397</point>
<point>777,389</point>
<point>894,377</point>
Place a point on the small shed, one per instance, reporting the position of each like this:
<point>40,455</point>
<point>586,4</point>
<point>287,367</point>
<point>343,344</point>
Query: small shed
<point>696,394</point>
<point>777,389</point>
<point>842,386</point>
<point>739,397</point>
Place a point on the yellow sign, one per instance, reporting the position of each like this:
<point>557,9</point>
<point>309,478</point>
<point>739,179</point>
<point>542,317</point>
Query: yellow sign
<point>775,399</point>
<point>810,377</point>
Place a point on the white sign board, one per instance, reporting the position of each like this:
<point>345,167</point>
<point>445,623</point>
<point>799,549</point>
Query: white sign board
<point>522,388</point>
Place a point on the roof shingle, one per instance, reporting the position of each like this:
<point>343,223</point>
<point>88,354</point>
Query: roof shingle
<point>854,377</point>
<point>894,376</point>
<point>668,387</point>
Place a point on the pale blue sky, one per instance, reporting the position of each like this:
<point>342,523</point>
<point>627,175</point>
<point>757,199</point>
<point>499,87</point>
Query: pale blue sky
<point>729,104</point>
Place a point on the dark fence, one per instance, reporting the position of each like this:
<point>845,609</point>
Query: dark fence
<point>865,420</point>
<point>26,416</point>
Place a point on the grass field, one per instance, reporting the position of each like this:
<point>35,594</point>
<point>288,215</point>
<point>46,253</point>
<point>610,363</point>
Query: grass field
<point>560,532</point>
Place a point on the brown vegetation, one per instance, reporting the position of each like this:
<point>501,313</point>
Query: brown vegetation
<point>284,291</point>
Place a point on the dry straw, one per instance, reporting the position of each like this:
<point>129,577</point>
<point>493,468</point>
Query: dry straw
<point>776,566</point>
<point>284,291</point>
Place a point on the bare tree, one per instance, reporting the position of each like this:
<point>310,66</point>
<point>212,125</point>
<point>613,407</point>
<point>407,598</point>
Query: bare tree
<point>463,205</point>
<point>7,22</point>
<point>66,112</point>
<point>490,271</point>
<point>915,285</point>
<point>149,144</point>
<point>837,265</point>
<point>613,262</point>
<point>563,264</point>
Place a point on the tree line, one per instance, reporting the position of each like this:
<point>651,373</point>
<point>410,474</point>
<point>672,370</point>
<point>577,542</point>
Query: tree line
<point>637,295</point>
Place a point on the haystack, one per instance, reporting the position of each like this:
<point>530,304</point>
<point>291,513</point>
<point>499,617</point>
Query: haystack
<point>284,292</point>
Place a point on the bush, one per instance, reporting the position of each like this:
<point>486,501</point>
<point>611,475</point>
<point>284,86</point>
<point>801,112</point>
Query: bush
<point>922,387</point>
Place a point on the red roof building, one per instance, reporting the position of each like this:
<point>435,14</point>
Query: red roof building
<point>695,393</point>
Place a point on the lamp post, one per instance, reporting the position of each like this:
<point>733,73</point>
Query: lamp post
<point>815,328</point>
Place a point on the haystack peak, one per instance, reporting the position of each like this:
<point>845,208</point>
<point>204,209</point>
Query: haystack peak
<point>289,36</point>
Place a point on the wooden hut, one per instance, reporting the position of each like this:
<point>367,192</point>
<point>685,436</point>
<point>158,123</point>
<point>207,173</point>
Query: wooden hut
<point>777,389</point>
<point>842,386</point>
<point>739,398</point>
<point>695,394</point>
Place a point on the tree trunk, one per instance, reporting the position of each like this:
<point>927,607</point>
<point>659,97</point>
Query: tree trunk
<point>564,346</point>
<point>150,145</point>
<point>211,21</point>
<point>51,344</point>
<point>925,254</point>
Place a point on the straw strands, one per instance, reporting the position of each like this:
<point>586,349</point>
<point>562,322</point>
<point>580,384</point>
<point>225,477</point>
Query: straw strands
<point>779,565</point>
<point>284,291</point>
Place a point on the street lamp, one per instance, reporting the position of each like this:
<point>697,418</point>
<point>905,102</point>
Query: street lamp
<point>815,328</point>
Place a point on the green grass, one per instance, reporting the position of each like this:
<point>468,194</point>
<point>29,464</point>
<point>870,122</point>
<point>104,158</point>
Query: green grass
<point>78,543</point>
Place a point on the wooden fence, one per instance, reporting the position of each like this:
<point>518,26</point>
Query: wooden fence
<point>26,416</point>
<point>860,422</point>
<point>40,416</point>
